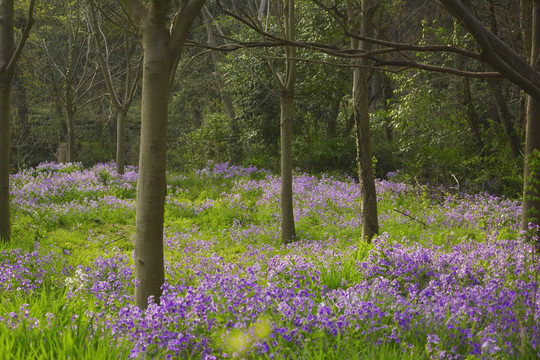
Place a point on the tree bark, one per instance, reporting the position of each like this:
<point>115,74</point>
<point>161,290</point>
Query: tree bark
<point>120,140</point>
<point>6,54</point>
<point>5,113</point>
<point>288,232</point>
<point>360,96</point>
<point>531,187</point>
<point>370,223</point>
<point>151,187</point>
<point>70,124</point>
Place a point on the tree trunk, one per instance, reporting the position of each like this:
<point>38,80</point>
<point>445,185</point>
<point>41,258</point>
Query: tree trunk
<point>70,124</point>
<point>120,141</point>
<point>331,125</point>
<point>370,223</point>
<point>151,186</point>
<point>5,113</point>
<point>288,232</point>
<point>6,76</point>
<point>531,187</point>
<point>526,26</point>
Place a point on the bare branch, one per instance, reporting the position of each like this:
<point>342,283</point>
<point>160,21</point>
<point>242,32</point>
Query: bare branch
<point>101,57</point>
<point>418,48</point>
<point>442,69</point>
<point>22,40</point>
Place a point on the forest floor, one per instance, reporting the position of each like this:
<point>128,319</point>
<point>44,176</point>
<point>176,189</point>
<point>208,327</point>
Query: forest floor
<point>449,277</point>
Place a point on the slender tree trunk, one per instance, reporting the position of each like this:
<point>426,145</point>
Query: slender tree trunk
<point>531,188</point>
<point>288,232</point>
<point>70,124</point>
<point>120,141</point>
<point>331,125</point>
<point>370,223</point>
<point>388,93</point>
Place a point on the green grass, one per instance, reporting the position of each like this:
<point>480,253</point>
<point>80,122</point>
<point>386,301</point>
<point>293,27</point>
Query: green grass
<point>58,336</point>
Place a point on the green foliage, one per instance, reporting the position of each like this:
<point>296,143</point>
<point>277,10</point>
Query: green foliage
<point>326,154</point>
<point>211,141</point>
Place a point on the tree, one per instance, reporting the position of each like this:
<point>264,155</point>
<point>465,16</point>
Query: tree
<point>121,96</point>
<point>531,187</point>
<point>68,67</point>
<point>9,54</point>
<point>494,86</point>
<point>279,14</point>
<point>162,47</point>
<point>370,224</point>
<point>286,91</point>
<point>517,70</point>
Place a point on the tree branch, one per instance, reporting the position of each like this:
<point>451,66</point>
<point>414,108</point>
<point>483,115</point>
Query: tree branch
<point>441,69</point>
<point>417,48</point>
<point>187,11</point>
<point>496,53</point>
<point>101,57</point>
<point>22,41</point>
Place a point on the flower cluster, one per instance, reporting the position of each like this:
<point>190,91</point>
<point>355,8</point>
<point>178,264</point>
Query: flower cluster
<point>234,291</point>
<point>51,191</point>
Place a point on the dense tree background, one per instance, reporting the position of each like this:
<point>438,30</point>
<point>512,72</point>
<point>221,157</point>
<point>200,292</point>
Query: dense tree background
<point>426,126</point>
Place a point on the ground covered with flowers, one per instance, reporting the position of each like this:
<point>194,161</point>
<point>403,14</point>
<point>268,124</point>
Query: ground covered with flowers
<point>450,276</point>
